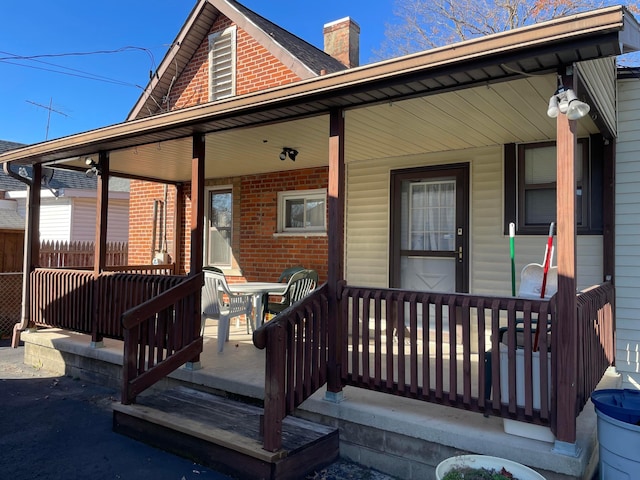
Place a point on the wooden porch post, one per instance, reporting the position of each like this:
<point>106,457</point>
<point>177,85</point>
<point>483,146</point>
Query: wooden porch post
<point>197,227</point>
<point>102,203</point>
<point>565,342</point>
<point>178,207</point>
<point>100,247</point>
<point>335,266</point>
<point>31,251</point>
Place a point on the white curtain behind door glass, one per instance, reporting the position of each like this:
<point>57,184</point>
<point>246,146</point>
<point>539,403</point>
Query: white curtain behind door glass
<point>432,215</point>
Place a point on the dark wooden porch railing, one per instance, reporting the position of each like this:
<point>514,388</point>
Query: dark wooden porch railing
<point>75,300</point>
<point>160,335</point>
<point>119,292</point>
<point>296,360</point>
<point>442,353</point>
<point>596,339</point>
<point>62,299</point>
<point>438,352</point>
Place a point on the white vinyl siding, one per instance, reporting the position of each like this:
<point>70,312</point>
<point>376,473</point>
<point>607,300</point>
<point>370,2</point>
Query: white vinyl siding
<point>367,217</point>
<point>83,226</point>
<point>222,64</point>
<point>627,238</point>
<point>55,220</point>
<point>118,221</point>
<point>599,77</point>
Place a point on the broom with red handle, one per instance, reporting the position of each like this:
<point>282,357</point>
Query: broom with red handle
<point>548,254</point>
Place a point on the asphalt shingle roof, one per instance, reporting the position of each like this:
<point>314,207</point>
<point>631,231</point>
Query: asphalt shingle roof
<point>313,57</point>
<point>61,178</point>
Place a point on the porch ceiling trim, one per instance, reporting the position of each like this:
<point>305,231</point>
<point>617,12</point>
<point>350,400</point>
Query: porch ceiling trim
<point>535,49</point>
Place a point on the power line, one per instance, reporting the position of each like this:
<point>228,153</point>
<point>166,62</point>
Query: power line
<point>77,73</point>
<point>13,56</point>
<point>86,75</point>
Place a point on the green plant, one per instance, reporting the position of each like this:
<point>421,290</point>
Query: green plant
<point>467,473</point>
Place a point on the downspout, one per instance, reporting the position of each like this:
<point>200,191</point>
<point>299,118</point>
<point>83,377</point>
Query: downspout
<point>27,260</point>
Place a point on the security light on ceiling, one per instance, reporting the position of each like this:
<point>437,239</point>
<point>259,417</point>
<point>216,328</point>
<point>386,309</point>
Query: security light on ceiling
<point>292,153</point>
<point>94,167</point>
<point>565,101</point>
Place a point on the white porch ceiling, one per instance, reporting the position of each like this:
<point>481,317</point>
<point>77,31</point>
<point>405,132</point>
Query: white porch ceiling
<point>492,114</point>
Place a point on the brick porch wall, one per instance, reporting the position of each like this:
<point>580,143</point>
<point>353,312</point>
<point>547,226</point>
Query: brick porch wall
<point>263,255</point>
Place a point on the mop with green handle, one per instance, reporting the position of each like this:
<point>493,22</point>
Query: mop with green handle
<point>512,235</point>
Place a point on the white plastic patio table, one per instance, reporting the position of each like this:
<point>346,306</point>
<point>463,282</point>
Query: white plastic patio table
<point>258,289</point>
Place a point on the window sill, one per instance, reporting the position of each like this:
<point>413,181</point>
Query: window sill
<point>300,234</point>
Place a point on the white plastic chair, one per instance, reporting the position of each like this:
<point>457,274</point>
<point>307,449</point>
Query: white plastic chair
<point>220,303</point>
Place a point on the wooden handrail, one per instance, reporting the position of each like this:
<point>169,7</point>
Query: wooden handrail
<point>161,335</point>
<point>137,315</point>
<point>296,360</point>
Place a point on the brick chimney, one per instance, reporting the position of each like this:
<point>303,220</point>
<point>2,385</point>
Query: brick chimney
<point>342,41</point>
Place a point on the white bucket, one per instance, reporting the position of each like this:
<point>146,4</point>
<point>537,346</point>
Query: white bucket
<point>514,427</point>
<point>518,470</point>
<point>619,448</point>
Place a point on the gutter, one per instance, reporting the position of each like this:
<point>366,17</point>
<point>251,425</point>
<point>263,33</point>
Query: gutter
<point>26,263</point>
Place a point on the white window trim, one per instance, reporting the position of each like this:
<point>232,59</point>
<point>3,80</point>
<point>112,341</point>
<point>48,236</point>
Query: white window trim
<point>231,32</point>
<point>300,232</point>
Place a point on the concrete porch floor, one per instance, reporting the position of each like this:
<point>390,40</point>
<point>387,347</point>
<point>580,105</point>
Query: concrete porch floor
<point>401,437</point>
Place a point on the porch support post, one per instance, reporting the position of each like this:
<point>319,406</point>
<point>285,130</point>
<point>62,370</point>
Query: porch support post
<point>197,227</point>
<point>100,259</point>
<point>335,268</point>
<point>565,351</point>
<point>100,248</point>
<point>31,251</point>
<point>178,208</point>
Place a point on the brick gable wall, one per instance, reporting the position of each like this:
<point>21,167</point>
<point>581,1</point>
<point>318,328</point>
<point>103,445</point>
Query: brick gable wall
<point>255,197</point>
<point>256,69</point>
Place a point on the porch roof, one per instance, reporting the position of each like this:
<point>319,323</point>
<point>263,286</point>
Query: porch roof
<point>524,54</point>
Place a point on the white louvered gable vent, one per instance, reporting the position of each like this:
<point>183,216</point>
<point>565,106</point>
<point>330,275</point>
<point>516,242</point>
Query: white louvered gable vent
<point>222,64</point>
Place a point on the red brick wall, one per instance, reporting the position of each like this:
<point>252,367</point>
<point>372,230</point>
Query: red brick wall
<point>141,200</point>
<point>256,69</point>
<point>263,256</point>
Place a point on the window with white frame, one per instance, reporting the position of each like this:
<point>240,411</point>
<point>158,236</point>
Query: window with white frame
<point>219,227</point>
<point>222,64</point>
<point>302,211</point>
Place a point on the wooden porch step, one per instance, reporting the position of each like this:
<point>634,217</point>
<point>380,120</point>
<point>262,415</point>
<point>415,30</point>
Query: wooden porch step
<point>224,434</point>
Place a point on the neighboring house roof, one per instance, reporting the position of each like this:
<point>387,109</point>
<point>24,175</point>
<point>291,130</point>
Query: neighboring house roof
<point>299,56</point>
<point>6,145</point>
<point>62,179</point>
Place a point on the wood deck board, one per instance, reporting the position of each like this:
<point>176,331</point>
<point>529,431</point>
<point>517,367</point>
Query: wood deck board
<point>229,428</point>
<point>219,413</point>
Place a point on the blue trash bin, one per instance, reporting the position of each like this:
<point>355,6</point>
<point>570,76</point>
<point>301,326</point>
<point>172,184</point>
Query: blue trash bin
<point>618,414</point>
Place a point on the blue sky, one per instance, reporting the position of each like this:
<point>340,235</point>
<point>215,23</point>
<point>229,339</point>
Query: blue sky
<point>80,104</point>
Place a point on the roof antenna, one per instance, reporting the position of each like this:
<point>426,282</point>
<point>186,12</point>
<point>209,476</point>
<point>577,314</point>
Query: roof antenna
<point>50,109</point>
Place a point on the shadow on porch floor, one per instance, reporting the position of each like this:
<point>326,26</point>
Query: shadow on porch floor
<point>401,437</point>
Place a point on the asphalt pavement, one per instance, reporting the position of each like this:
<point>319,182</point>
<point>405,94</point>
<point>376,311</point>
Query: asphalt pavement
<point>60,428</point>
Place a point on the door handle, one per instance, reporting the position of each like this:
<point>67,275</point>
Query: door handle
<point>460,254</point>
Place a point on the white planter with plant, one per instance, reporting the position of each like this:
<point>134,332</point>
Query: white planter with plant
<point>483,467</point>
